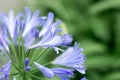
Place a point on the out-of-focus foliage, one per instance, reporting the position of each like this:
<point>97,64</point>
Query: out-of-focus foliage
<point>96,25</point>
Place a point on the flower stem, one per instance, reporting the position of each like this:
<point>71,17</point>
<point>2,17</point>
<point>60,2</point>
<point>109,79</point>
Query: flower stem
<point>24,75</point>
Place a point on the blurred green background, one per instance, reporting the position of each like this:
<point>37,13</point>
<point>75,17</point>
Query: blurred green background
<point>93,23</point>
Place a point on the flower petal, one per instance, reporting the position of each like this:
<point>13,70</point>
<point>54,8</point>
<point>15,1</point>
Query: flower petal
<point>10,22</point>
<point>63,74</point>
<point>31,21</point>
<point>46,71</point>
<point>5,70</point>
<point>84,78</point>
<point>72,58</point>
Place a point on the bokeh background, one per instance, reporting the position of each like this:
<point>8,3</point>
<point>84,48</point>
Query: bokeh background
<point>93,23</point>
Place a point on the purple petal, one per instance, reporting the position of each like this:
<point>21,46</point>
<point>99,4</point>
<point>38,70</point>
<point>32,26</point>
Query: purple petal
<point>3,41</point>
<point>5,70</point>
<point>28,13</point>
<point>72,58</point>
<point>10,22</point>
<point>31,37</point>
<point>27,68</point>
<point>46,71</point>
<point>31,22</point>
<point>26,62</point>
<point>50,18</point>
<point>63,74</point>
<point>84,78</point>
<point>47,24</point>
<point>66,39</point>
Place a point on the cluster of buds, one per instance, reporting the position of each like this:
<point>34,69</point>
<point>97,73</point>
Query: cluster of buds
<point>25,38</point>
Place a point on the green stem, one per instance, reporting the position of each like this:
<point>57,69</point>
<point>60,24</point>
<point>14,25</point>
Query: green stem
<point>24,75</point>
<point>38,55</point>
<point>36,77</point>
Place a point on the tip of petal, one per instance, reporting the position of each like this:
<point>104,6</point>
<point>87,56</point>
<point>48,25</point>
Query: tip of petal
<point>27,9</point>
<point>50,14</point>
<point>50,17</point>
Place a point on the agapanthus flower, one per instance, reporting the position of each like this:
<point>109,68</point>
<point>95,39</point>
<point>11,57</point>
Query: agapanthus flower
<point>31,21</point>
<point>73,58</point>
<point>26,64</point>
<point>3,43</point>
<point>5,71</point>
<point>46,71</point>
<point>84,78</point>
<point>27,28</point>
<point>49,34</point>
<point>62,73</point>
<point>24,38</point>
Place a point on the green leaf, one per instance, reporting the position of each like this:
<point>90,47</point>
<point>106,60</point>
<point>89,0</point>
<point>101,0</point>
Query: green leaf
<point>112,76</point>
<point>116,64</point>
<point>104,5</point>
<point>55,78</point>
<point>92,47</point>
<point>100,28</point>
<point>93,75</point>
<point>99,62</point>
<point>117,34</point>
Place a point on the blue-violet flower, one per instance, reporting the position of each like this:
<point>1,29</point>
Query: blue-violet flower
<point>26,37</point>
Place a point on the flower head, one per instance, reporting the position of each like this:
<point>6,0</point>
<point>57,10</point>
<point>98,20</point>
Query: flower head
<point>49,34</point>
<point>24,39</point>
<point>26,26</point>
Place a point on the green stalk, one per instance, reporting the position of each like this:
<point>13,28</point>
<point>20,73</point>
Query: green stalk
<point>24,75</point>
<point>38,55</point>
<point>14,53</point>
<point>39,78</point>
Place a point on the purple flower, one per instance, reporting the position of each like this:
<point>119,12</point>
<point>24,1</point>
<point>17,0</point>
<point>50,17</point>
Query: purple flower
<point>46,71</point>
<point>3,43</point>
<point>35,31</point>
<point>46,24</point>
<point>26,64</point>
<point>84,78</point>
<point>66,39</point>
<point>31,37</point>
<point>73,58</point>
<point>62,73</point>
<point>31,21</point>
<point>5,71</point>
<point>20,34</point>
<point>27,68</point>
<point>49,34</point>
<point>10,22</point>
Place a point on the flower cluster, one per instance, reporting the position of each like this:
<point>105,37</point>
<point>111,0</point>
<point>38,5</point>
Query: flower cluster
<point>26,37</point>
